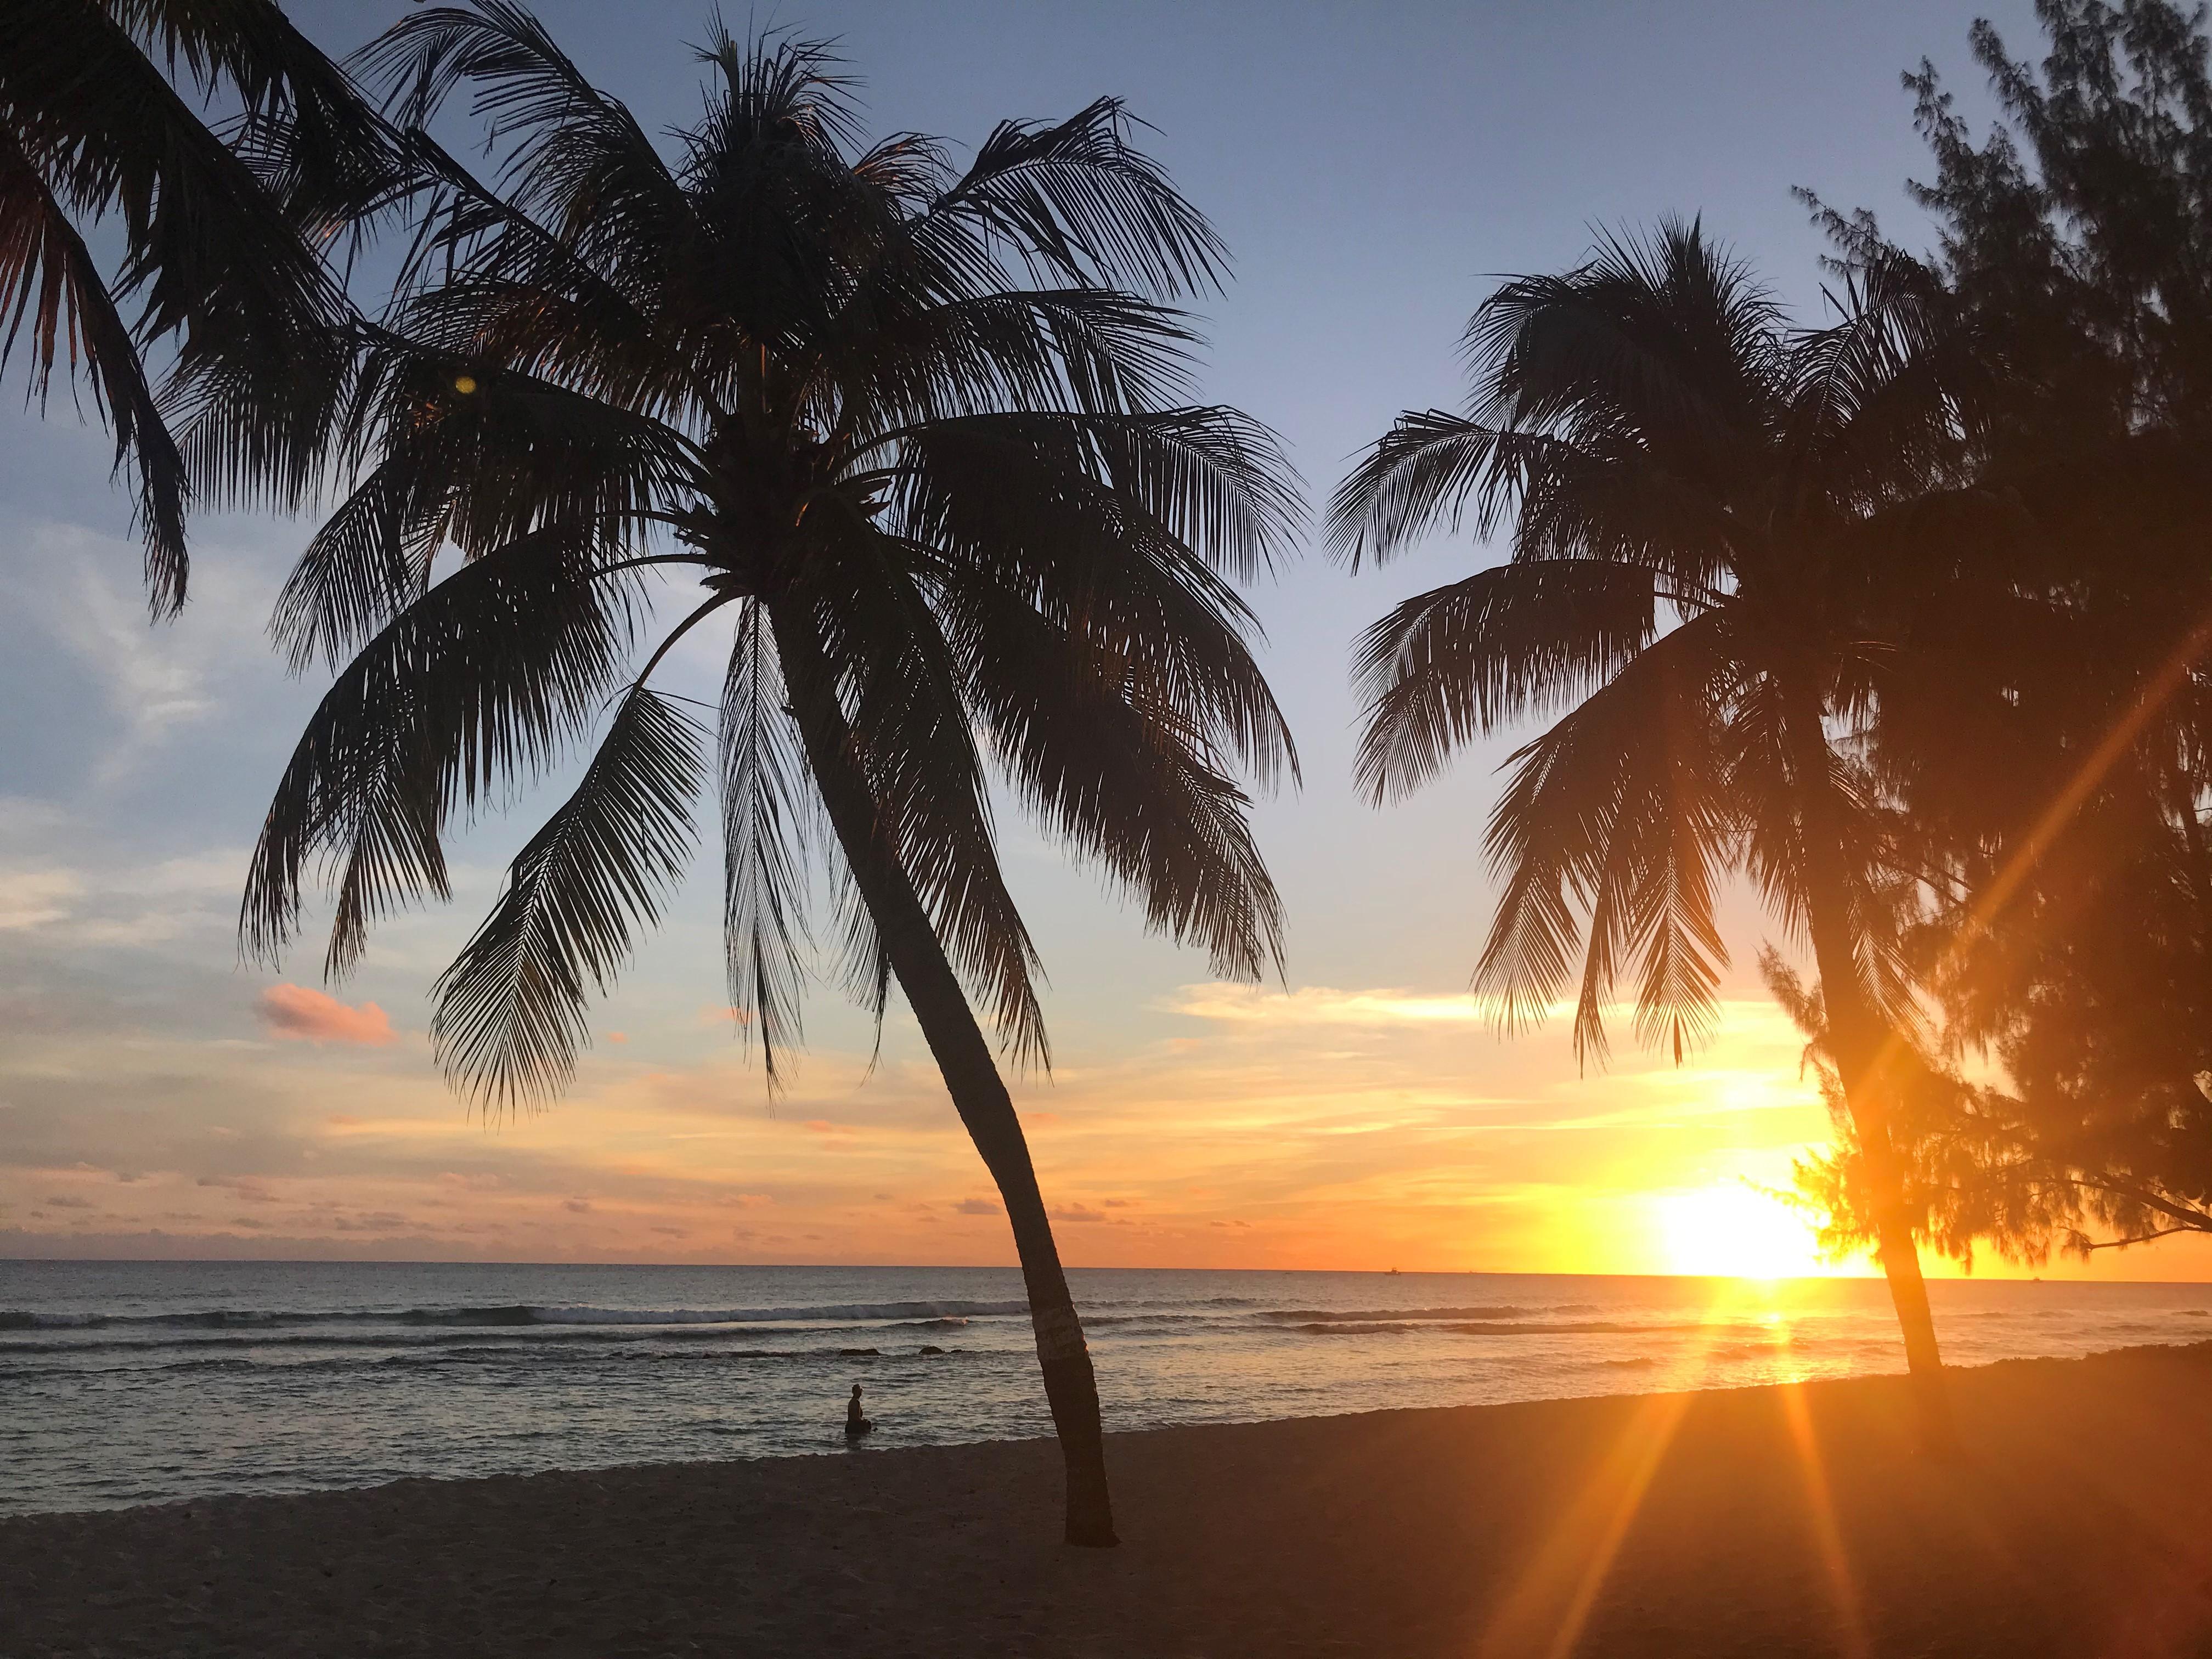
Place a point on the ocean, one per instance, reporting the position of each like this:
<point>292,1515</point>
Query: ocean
<point>142,1382</point>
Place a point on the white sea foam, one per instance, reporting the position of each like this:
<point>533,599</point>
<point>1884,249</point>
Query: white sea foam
<point>846,1313</point>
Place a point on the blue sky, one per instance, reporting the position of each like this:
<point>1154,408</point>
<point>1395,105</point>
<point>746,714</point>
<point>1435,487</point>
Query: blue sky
<point>1372,169</point>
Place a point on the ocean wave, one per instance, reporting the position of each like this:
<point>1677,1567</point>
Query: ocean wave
<point>1483,1327</point>
<point>518,1340</point>
<point>1431,1328</point>
<point>509,1313</point>
<point>465,1355</point>
<point>1320,1316</point>
<point>1780,1336</point>
<point>830,1313</point>
<point>1762,1350</point>
<point>1217,1322</point>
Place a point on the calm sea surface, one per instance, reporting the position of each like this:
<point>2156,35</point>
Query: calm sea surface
<point>135,1382</point>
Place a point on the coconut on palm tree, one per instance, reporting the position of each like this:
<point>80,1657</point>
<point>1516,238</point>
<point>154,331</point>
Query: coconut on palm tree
<point>225,234</point>
<point>920,437</point>
<point>1728,537</point>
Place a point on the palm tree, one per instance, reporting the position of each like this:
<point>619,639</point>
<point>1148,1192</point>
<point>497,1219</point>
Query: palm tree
<point>921,444</point>
<point>1727,537</point>
<point>224,240</point>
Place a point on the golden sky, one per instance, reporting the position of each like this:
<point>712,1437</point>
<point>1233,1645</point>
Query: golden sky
<point>1314,1128</point>
<point>158,1097</point>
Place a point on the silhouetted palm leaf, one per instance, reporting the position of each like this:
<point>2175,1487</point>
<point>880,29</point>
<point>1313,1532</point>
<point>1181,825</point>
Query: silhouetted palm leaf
<point>492,672</point>
<point>223,240</point>
<point>47,277</point>
<point>513,1005</point>
<point>921,411</point>
<point>765,820</point>
<point>1463,661</point>
<point>1660,442</point>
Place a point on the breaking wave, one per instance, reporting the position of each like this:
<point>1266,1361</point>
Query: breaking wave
<point>515,1314</point>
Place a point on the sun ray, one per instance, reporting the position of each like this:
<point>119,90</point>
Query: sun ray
<point>1549,1608</point>
<point>1827,1535</point>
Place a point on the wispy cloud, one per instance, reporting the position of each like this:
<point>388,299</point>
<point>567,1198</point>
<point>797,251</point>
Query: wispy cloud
<point>1312,1005</point>
<point>36,898</point>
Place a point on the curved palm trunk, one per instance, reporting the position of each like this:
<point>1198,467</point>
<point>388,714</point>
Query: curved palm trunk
<point>1857,1036</point>
<point>971,1076</point>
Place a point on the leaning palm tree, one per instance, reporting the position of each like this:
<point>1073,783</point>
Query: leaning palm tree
<point>919,437</point>
<point>1727,539</point>
<point>227,233</point>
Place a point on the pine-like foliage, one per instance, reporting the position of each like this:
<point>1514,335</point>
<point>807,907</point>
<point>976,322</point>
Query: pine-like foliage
<point>2056,776</point>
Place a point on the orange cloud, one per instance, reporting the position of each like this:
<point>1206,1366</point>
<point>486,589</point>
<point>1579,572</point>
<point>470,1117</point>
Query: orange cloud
<point>297,1012</point>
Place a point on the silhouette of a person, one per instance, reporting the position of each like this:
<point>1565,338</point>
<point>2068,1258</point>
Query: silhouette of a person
<point>856,1424</point>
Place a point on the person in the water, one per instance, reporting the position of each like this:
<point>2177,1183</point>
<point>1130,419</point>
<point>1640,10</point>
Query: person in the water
<point>856,1424</point>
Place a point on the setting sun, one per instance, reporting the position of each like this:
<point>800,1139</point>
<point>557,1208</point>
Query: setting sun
<point>1731,1229</point>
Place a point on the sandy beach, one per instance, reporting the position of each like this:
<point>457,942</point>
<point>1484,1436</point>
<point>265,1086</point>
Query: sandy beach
<point>1753,1521</point>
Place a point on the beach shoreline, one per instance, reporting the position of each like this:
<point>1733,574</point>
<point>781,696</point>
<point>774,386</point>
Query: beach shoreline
<point>1776,1520</point>
<point>130,1384</point>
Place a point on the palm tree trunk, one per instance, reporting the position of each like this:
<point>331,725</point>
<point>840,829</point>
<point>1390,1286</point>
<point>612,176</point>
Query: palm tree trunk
<point>1858,1038</point>
<point>971,1076</point>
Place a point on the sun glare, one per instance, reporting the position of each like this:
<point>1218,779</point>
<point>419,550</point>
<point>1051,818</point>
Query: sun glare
<point>1732,1230</point>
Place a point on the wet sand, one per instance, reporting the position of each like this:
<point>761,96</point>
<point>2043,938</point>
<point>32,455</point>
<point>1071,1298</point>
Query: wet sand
<point>1764,1522</point>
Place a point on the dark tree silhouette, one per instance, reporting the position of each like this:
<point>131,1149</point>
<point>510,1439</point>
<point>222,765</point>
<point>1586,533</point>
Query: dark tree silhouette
<point>2056,774</point>
<point>103,112</point>
<point>920,435</point>
<point>1726,537</point>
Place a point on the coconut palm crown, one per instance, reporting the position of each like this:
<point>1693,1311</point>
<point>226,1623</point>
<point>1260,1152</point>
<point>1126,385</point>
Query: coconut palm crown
<point>920,437</point>
<point>1728,538</point>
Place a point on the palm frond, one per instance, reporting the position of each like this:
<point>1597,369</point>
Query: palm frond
<point>1105,526</point>
<point>323,151</point>
<point>478,469</point>
<point>489,675</point>
<point>1420,471</point>
<point>48,279</point>
<point>899,361</point>
<point>1077,199</point>
<point>1668,338</point>
<point>367,563</point>
<point>511,1009</point>
<point>765,833</point>
<point>776,86</point>
<point>576,159</point>
<point>1619,812</point>
<point>213,258</point>
<point>1459,662</point>
<point>1875,397</point>
<point>912,737</point>
<point>1118,774</point>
